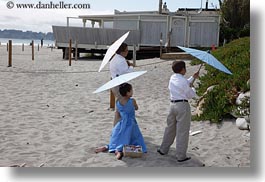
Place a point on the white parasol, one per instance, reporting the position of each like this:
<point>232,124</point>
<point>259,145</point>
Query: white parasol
<point>112,50</point>
<point>119,80</point>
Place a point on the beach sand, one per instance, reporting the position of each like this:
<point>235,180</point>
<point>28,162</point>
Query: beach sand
<point>50,117</point>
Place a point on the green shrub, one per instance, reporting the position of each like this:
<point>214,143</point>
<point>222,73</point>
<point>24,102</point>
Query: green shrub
<point>221,100</point>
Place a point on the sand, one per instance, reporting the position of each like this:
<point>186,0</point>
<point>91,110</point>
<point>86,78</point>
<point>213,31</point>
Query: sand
<point>50,117</point>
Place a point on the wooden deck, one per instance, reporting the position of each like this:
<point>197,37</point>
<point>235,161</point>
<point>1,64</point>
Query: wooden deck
<point>176,55</point>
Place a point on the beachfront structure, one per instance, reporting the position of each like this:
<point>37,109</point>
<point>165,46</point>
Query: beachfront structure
<point>148,29</point>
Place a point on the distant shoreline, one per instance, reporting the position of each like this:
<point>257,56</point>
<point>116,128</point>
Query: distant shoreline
<point>19,34</point>
<point>15,41</point>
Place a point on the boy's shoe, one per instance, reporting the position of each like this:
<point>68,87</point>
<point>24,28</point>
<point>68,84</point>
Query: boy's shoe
<point>161,153</point>
<point>187,158</point>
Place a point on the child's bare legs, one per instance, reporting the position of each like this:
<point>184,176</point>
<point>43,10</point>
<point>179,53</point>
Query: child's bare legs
<point>118,96</point>
<point>101,149</point>
<point>119,155</point>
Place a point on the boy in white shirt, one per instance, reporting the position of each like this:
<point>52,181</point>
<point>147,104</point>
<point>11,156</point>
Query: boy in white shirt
<point>179,117</point>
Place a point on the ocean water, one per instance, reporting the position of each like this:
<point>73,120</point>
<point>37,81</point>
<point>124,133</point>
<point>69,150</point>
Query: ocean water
<point>4,41</point>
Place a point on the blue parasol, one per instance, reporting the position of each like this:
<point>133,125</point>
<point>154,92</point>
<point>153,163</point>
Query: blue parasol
<point>207,58</point>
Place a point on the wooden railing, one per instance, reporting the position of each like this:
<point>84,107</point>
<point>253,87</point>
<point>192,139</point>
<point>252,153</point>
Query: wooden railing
<point>93,36</point>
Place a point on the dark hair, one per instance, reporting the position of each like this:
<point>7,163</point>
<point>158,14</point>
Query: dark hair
<point>124,88</point>
<point>122,48</point>
<point>177,66</point>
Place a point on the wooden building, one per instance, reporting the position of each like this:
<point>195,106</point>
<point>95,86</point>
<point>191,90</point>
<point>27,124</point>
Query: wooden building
<point>148,30</point>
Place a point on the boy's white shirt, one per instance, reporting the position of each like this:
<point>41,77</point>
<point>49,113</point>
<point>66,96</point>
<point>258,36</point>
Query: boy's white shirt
<point>179,87</point>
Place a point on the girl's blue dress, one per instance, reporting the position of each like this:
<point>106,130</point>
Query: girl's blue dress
<point>126,131</point>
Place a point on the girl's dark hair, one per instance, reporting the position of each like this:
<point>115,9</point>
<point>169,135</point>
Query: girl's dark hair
<point>177,66</point>
<point>122,48</point>
<point>124,88</point>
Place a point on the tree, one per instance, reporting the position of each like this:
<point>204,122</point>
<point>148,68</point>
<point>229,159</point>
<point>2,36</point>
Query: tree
<point>235,19</point>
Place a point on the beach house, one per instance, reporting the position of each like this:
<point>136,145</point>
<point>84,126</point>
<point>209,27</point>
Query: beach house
<point>148,30</point>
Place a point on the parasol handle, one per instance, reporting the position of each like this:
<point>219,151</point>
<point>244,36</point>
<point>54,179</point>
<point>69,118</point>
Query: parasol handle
<point>200,68</point>
<point>191,84</point>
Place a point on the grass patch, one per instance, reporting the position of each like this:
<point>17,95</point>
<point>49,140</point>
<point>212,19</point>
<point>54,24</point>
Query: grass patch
<point>221,100</point>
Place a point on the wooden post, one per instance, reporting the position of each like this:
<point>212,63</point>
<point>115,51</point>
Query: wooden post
<point>169,44</point>
<point>160,7</point>
<point>66,53</point>
<point>52,47</point>
<point>161,42</point>
<point>22,47</point>
<point>76,50</point>
<point>112,100</point>
<point>38,47</point>
<point>70,51</point>
<point>134,55</point>
<point>10,53</point>
<point>32,49</point>
<point>7,47</point>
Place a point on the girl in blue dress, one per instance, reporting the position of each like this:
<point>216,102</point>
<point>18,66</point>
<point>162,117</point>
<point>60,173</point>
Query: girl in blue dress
<point>126,131</point>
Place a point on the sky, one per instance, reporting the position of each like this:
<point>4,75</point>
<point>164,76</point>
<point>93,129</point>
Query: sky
<point>41,20</point>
